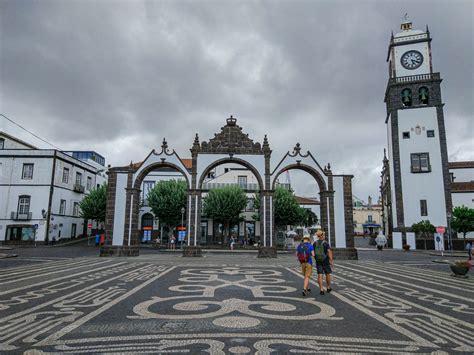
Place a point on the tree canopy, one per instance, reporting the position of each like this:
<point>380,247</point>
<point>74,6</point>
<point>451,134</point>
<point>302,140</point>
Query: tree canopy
<point>93,205</point>
<point>463,220</point>
<point>287,210</point>
<point>423,227</point>
<point>224,205</point>
<point>166,200</point>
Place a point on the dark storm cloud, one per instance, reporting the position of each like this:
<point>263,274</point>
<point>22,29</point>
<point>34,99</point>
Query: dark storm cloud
<point>119,76</point>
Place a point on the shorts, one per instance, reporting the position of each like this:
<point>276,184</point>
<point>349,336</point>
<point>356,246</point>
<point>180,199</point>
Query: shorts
<point>307,269</point>
<point>324,267</point>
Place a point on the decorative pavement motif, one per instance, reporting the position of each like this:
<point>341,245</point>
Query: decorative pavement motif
<point>92,305</point>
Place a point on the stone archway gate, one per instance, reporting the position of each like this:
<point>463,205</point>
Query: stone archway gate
<point>230,145</point>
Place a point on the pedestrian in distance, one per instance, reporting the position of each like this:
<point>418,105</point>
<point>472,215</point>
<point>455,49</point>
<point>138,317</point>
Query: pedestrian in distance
<point>232,243</point>
<point>305,252</point>
<point>173,242</point>
<point>324,260</point>
<point>469,249</point>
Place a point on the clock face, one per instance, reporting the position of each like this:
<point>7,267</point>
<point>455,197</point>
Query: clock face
<point>411,60</point>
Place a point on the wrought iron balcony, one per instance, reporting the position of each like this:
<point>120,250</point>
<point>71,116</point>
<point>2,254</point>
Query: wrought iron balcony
<point>16,216</point>
<point>79,188</point>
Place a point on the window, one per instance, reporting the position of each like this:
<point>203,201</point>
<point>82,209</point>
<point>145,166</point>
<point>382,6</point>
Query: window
<point>242,181</point>
<point>73,230</point>
<point>75,209</point>
<point>430,133</point>
<point>423,208</point>
<point>78,179</point>
<point>406,97</point>
<point>420,163</point>
<point>423,95</point>
<point>147,187</point>
<point>369,218</point>
<point>27,173</point>
<point>62,207</point>
<point>65,175</point>
<point>2,143</point>
<point>406,135</point>
<point>24,204</point>
<point>89,183</point>
<point>250,205</point>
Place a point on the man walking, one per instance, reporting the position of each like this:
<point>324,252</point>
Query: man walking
<point>304,252</point>
<point>324,261</point>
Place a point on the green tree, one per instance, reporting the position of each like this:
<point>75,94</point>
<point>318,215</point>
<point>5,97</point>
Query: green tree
<point>166,200</point>
<point>307,217</point>
<point>93,204</point>
<point>463,220</point>
<point>424,229</point>
<point>287,211</point>
<point>224,206</point>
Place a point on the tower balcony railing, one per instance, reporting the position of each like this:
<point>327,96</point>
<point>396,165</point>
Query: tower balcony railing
<point>17,216</point>
<point>414,78</point>
<point>218,185</point>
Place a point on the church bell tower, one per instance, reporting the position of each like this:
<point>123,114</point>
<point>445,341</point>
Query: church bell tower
<point>417,149</point>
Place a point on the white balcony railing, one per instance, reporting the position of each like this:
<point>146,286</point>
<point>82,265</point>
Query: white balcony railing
<point>16,216</point>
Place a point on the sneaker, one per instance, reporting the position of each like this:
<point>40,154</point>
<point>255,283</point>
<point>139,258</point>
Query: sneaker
<point>321,292</point>
<point>304,293</point>
<point>329,290</point>
<point>308,290</point>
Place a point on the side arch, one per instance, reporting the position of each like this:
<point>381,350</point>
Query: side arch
<point>309,169</point>
<point>154,166</point>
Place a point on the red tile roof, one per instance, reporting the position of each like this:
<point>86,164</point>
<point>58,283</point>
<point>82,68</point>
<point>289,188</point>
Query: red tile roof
<point>462,186</point>
<point>307,200</point>
<point>461,164</point>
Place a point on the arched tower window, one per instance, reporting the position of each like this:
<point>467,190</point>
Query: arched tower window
<point>423,95</point>
<point>406,97</point>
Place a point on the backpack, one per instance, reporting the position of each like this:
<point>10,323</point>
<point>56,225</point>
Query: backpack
<point>303,253</point>
<point>319,253</point>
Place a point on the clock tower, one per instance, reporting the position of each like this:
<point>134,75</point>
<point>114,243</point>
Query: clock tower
<point>417,169</point>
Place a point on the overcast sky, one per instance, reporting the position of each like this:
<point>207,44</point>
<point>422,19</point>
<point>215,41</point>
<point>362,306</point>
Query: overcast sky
<point>119,76</point>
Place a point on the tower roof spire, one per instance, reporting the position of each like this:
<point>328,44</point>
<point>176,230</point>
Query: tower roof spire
<point>406,23</point>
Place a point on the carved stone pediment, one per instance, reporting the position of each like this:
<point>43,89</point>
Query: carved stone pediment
<point>231,140</point>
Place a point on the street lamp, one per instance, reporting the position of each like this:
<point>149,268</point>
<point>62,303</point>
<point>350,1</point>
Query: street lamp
<point>182,224</point>
<point>450,241</point>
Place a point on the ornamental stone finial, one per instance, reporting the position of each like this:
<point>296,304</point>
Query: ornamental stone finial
<point>196,139</point>
<point>165,144</point>
<point>297,149</point>
<point>231,121</point>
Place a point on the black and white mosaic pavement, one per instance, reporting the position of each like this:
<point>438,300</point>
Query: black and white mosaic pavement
<point>231,304</point>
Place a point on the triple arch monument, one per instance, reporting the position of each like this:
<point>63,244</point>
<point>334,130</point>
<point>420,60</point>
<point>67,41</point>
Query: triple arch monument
<point>230,145</point>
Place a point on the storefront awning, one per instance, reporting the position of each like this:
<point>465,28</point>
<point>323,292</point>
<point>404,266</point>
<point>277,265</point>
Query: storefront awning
<point>371,225</point>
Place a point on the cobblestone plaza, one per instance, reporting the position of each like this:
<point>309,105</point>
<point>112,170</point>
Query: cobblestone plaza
<point>229,303</point>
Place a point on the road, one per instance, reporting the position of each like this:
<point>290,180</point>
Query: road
<point>69,300</point>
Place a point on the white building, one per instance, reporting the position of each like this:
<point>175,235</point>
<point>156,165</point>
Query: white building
<point>461,174</point>
<point>40,191</point>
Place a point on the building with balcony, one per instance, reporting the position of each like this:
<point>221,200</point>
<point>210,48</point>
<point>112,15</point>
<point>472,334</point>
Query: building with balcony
<point>367,217</point>
<point>40,192</point>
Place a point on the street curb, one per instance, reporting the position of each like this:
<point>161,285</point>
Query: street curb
<point>5,256</point>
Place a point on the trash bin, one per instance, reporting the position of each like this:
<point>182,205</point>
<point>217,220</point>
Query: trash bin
<point>97,239</point>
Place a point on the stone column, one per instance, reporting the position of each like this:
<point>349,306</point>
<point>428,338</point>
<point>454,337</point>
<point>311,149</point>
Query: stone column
<point>110,207</point>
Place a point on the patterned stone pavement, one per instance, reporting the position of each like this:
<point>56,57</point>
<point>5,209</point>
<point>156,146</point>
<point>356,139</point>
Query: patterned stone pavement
<point>231,304</point>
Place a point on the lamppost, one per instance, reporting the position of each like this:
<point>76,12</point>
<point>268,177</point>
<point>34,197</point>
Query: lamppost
<point>182,225</point>
<point>450,241</point>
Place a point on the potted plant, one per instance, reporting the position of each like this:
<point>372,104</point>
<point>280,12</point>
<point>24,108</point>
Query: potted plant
<point>459,267</point>
<point>406,247</point>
